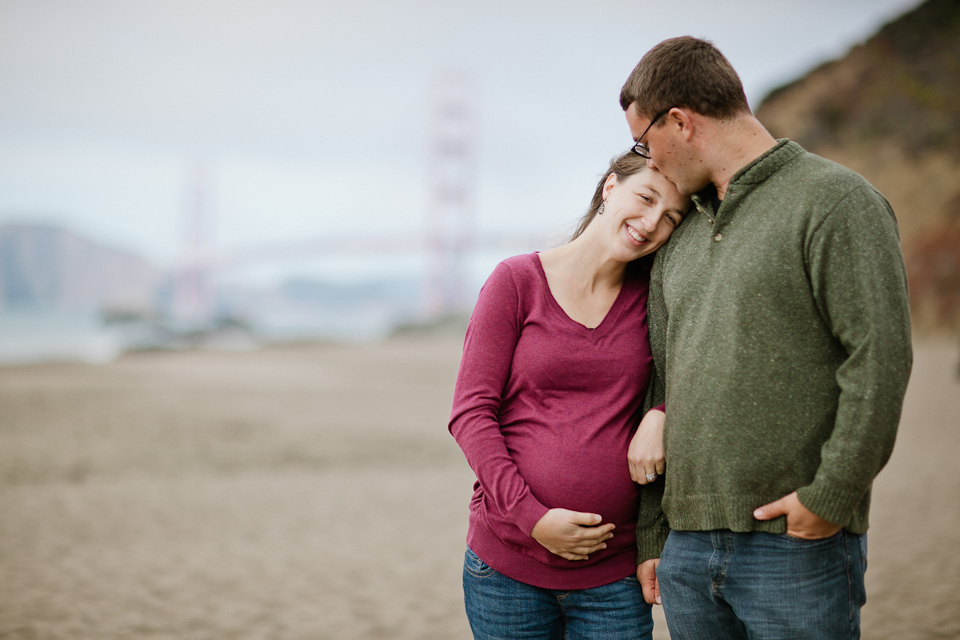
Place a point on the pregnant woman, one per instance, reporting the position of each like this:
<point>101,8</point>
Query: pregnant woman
<point>555,365</point>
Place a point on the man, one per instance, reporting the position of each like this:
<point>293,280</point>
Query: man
<point>779,316</point>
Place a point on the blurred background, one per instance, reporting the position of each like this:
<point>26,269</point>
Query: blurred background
<point>175,173</point>
<point>239,242</point>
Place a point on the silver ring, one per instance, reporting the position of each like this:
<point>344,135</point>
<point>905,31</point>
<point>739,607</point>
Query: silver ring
<point>651,477</point>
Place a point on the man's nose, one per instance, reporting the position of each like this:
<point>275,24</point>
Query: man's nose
<point>650,164</point>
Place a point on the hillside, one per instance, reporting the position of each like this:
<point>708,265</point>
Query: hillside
<point>890,110</point>
<point>43,267</point>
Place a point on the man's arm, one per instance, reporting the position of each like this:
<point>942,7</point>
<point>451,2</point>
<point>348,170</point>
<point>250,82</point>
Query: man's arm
<point>652,527</point>
<point>860,286</point>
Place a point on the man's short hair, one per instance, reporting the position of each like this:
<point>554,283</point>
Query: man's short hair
<point>685,72</point>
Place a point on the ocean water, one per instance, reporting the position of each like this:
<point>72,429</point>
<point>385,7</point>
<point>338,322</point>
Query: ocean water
<point>34,337</point>
<point>30,337</point>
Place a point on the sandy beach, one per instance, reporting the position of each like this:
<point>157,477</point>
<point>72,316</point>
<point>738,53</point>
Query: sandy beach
<point>313,492</point>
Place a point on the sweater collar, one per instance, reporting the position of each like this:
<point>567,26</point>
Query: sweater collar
<point>756,171</point>
<point>769,163</point>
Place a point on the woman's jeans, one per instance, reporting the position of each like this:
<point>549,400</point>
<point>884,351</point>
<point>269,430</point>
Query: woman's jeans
<point>721,585</point>
<point>502,608</point>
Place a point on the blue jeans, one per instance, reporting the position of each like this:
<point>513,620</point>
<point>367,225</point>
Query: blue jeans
<point>721,585</point>
<point>501,608</point>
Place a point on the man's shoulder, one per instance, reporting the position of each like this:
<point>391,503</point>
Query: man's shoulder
<point>821,194</point>
<point>814,187</point>
<point>829,178</point>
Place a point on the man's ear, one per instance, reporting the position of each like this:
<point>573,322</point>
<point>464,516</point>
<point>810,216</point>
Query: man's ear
<point>683,121</point>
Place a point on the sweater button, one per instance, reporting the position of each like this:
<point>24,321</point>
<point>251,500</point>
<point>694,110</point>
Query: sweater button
<point>718,237</point>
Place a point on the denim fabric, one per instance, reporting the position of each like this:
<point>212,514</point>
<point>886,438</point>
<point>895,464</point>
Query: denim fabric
<point>501,608</point>
<point>721,585</point>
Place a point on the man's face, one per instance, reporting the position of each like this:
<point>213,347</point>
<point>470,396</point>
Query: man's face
<point>666,154</point>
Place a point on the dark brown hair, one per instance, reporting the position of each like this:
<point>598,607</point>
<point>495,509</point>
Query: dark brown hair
<point>623,166</point>
<point>684,72</point>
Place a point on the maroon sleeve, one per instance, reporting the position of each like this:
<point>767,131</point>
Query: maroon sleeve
<point>484,369</point>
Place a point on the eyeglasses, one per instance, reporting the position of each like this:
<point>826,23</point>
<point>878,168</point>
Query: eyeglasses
<point>642,149</point>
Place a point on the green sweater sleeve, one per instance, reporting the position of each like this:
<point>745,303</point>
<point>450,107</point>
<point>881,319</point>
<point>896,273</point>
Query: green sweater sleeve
<point>859,285</point>
<point>652,527</point>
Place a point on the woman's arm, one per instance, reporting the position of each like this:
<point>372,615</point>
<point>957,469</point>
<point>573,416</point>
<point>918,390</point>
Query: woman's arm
<point>645,455</point>
<point>488,350</point>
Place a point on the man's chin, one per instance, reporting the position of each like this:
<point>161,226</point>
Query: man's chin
<point>688,189</point>
<point>685,188</point>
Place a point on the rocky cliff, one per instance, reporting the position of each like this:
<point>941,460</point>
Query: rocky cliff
<point>890,110</point>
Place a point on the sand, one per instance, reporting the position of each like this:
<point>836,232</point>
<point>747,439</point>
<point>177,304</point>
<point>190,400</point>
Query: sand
<point>313,492</point>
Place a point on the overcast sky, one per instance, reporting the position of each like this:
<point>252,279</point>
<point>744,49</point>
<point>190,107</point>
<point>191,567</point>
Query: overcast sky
<point>311,118</point>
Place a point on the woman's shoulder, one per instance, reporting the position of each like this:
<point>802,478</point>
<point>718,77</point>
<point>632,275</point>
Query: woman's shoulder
<point>514,284</point>
<point>522,262</point>
<point>522,269</point>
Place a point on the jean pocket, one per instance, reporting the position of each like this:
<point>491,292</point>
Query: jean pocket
<point>632,580</point>
<point>473,565</point>
<point>813,541</point>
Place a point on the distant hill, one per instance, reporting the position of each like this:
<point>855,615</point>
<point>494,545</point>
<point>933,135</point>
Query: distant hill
<point>890,110</point>
<point>45,267</point>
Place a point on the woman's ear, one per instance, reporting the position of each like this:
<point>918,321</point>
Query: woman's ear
<point>608,185</point>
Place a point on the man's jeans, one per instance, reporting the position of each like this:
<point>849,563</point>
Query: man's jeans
<point>502,608</point>
<point>721,585</point>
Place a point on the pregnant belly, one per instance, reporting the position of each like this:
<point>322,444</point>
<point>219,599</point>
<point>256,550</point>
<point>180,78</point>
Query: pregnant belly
<point>590,476</point>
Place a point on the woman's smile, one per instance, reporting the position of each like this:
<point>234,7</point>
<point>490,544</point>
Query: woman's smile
<point>636,235</point>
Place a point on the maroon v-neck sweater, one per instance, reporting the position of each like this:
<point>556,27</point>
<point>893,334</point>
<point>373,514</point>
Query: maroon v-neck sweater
<point>544,410</point>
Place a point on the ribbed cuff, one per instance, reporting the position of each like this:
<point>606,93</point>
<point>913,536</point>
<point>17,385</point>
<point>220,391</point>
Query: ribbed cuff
<point>831,504</point>
<point>650,541</point>
<point>528,514</point>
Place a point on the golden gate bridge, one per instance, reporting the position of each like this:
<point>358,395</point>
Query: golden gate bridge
<point>449,239</point>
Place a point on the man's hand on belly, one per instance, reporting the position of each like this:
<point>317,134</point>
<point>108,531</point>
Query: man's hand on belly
<point>571,534</point>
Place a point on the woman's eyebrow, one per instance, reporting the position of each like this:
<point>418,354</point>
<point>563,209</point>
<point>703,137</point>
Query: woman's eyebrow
<point>655,192</point>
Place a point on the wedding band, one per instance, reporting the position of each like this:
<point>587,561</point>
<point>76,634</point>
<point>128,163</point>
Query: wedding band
<point>651,477</point>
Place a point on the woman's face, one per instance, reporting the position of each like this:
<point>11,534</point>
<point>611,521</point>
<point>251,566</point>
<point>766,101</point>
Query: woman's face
<point>640,212</point>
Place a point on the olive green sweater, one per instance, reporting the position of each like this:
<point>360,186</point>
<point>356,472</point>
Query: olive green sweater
<point>781,325</point>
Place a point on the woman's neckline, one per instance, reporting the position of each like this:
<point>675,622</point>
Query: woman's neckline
<point>604,323</point>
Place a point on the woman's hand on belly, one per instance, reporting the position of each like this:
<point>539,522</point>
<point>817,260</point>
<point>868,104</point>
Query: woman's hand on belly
<point>571,534</point>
